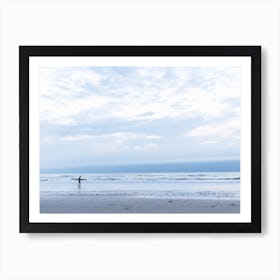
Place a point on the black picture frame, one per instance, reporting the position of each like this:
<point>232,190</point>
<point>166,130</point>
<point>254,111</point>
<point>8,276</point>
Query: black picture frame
<point>25,52</point>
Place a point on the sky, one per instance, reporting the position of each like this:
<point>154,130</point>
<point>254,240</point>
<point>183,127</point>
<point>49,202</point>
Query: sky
<point>92,116</point>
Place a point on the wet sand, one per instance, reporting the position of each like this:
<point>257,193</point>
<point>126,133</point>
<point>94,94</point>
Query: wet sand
<point>113,204</point>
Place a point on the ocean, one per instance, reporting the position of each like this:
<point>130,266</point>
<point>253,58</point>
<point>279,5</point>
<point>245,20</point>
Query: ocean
<point>192,181</point>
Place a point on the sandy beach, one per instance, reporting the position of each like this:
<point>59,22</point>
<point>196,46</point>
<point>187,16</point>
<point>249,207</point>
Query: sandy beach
<point>111,204</point>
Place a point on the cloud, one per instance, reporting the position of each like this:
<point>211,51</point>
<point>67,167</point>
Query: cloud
<point>88,94</point>
<point>61,111</point>
<point>146,147</point>
<point>66,81</point>
<point>114,142</point>
<point>209,142</point>
<point>228,131</point>
<point>119,136</point>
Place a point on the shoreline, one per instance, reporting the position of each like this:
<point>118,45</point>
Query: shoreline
<point>113,205</point>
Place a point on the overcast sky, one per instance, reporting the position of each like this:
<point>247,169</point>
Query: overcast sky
<point>122,115</point>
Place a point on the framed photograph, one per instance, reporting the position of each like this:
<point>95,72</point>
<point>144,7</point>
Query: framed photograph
<point>140,138</point>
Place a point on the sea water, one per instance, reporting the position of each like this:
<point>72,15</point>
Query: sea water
<point>196,185</point>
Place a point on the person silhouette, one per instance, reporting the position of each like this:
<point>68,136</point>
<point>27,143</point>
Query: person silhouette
<point>79,181</point>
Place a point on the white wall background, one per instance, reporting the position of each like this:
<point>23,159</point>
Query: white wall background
<point>142,256</point>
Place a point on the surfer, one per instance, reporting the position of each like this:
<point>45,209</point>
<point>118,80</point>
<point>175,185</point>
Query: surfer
<point>79,181</point>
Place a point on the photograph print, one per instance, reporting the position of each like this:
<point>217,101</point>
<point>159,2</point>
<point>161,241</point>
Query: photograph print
<point>141,139</point>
